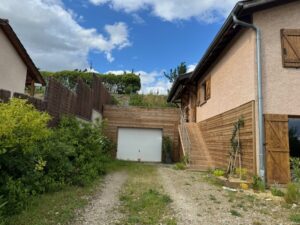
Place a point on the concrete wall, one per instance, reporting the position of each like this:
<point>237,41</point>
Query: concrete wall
<point>233,77</point>
<point>281,86</point>
<point>13,71</point>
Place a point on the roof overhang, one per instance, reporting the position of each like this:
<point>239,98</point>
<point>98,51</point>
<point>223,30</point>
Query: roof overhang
<point>244,11</point>
<point>33,73</point>
<point>178,86</point>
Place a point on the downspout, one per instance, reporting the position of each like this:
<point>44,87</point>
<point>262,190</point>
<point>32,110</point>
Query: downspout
<point>259,93</point>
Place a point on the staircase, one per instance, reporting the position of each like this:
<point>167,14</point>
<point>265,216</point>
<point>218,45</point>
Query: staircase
<point>194,146</point>
<point>199,157</point>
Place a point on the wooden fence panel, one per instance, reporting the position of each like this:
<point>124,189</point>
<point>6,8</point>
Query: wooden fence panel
<point>277,149</point>
<point>217,132</point>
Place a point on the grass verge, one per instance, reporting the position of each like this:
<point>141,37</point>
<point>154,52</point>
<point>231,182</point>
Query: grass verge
<point>54,208</point>
<point>143,200</point>
<point>60,207</point>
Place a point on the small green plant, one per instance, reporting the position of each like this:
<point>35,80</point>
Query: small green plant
<point>258,184</point>
<point>292,194</point>
<point>167,149</point>
<point>295,163</point>
<point>242,172</point>
<point>180,166</point>
<point>295,218</point>
<point>235,213</point>
<point>219,172</point>
<point>276,191</point>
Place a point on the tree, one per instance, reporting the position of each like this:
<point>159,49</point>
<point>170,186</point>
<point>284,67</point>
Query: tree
<point>174,73</point>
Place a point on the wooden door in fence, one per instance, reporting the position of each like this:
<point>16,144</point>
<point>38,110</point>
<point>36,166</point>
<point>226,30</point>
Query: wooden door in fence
<point>277,149</point>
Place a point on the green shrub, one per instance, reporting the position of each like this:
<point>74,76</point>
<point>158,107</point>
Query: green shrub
<point>180,166</point>
<point>35,159</point>
<point>292,194</point>
<point>243,172</point>
<point>295,163</point>
<point>167,149</point>
<point>258,184</point>
<point>276,191</point>
<point>218,173</point>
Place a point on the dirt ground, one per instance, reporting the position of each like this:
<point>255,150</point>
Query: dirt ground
<point>195,201</point>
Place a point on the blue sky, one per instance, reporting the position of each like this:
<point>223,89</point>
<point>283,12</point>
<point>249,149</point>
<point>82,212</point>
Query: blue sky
<point>149,36</point>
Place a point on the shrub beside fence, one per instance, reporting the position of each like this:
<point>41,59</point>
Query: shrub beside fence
<point>59,100</point>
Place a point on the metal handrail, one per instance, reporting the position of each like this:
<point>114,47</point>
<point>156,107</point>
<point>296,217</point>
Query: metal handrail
<point>185,136</point>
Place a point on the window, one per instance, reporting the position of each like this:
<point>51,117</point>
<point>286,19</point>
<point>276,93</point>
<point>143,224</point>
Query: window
<point>204,91</point>
<point>290,41</point>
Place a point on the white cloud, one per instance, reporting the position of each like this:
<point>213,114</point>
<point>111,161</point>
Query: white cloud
<point>152,82</point>
<point>204,10</point>
<point>191,67</point>
<point>53,37</point>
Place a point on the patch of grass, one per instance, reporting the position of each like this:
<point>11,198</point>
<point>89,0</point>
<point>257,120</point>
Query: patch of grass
<point>60,207</point>
<point>295,218</point>
<point>277,192</point>
<point>54,208</point>
<point>212,180</point>
<point>292,194</point>
<point>180,166</point>
<point>256,223</point>
<point>235,213</point>
<point>212,198</point>
<point>143,200</point>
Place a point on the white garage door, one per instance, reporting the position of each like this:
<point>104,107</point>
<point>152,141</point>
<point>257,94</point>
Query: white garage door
<point>136,144</point>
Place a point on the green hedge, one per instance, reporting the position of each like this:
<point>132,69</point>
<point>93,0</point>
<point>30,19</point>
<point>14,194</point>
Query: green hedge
<point>122,84</point>
<point>35,159</point>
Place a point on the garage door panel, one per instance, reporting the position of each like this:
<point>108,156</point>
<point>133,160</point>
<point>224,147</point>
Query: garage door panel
<point>139,144</point>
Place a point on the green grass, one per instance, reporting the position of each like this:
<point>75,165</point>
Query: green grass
<point>54,208</point>
<point>143,200</point>
<point>295,218</point>
<point>60,207</point>
<point>235,213</point>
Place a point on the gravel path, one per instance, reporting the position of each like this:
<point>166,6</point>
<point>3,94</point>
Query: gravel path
<point>102,208</point>
<point>195,202</point>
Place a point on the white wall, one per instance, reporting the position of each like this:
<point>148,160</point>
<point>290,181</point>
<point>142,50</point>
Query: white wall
<point>13,71</point>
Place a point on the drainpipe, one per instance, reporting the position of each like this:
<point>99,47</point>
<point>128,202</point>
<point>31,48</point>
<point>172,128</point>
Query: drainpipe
<point>259,93</point>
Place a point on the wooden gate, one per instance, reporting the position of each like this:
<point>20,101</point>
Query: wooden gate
<point>277,149</point>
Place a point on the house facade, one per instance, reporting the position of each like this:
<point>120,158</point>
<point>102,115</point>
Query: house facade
<point>16,67</point>
<point>226,86</point>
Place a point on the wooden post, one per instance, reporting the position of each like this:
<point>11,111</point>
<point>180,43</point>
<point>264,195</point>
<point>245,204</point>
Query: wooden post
<point>32,88</point>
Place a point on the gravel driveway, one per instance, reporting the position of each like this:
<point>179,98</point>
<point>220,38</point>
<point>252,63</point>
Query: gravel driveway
<point>197,202</point>
<point>102,210</point>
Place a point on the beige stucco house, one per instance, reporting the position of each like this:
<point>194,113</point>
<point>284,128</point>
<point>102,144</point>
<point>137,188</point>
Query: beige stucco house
<point>16,67</point>
<point>251,71</point>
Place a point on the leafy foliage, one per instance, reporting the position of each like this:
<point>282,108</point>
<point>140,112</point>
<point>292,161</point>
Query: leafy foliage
<point>295,163</point>
<point>150,101</point>
<point>174,73</point>
<point>219,173</point>
<point>258,184</point>
<point>122,84</point>
<point>35,159</point>
<point>167,149</point>
<point>292,194</point>
<point>276,192</point>
<point>21,126</point>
